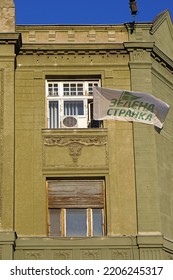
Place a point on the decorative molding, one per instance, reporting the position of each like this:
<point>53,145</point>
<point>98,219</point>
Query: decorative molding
<point>111,36</point>
<point>90,48</point>
<point>92,35</point>
<point>140,56</point>
<point>91,254</point>
<point>75,151</point>
<point>33,254</point>
<point>162,78</point>
<point>32,36</point>
<point>11,38</point>
<point>62,255</point>
<point>150,254</point>
<point>52,35</point>
<point>131,46</point>
<point>162,59</point>
<point>120,255</point>
<point>71,36</point>
<point>164,16</point>
<point>67,141</point>
<point>74,144</point>
<point>143,51</point>
<point>71,52</point>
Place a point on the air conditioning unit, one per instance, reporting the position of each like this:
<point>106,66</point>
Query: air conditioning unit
<point>69,122</point>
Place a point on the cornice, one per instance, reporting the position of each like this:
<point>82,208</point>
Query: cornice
<point>156,53</point>
<point>164,16</point>
<point>131,46</point>
<point>66,27</point>
<point>162,58</point>
<point>11,39</point>
<point>72,48</point>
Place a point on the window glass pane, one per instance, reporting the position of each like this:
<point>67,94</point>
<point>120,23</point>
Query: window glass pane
<point>54,222</point>
<point>55,89</point>
<point>90,87</point>
<point>66,89</point>
<point>73,89</point>
<point>50,89</point>
<point>69,95</point>
<point>97,222</point>
<point>79,89</point>
<point>73,108</point>
<point>53,114</point>
<point>76,222</point>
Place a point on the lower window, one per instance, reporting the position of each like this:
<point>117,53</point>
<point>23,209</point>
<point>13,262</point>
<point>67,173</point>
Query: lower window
<point>76,208</point>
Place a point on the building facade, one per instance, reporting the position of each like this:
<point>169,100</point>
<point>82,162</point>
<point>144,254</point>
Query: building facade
<point>72,187</point>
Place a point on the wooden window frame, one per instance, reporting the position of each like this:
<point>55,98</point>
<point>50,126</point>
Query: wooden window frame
<point>84,205</point>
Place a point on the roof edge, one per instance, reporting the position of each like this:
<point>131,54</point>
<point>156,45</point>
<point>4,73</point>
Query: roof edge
<point>158,21</point>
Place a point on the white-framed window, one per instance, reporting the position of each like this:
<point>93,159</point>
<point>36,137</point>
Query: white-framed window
<point>70,103</point>
<point>76,208</point>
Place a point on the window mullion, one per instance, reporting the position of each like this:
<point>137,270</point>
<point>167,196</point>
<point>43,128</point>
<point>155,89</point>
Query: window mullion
<point>63,222</point>
<point>89,222</point>
<point>103,222</point>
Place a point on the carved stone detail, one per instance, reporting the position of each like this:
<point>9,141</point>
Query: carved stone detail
<point>151,254</point>
<point>75,151</point>
<point>62,255</point>
<point>111,36</point>
<point>33,255</point>
<point>91,254</point>
<point>92,35</point>
<point>66,141</point>
<point>75,144</point>
<point>32,36</point>
<point>61,52</point>
<point>120,255</point>
<point>140,56</point>
<point>71,35</point>
<point>52,35</point>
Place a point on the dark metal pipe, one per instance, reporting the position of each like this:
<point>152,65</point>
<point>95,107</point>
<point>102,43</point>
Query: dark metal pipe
<point>133,7</point>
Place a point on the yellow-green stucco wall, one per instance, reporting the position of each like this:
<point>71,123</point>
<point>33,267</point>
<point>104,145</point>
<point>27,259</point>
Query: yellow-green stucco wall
<point>134,159</point>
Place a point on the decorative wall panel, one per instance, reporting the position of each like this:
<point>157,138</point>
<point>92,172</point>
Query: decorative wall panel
<point>75,149</point>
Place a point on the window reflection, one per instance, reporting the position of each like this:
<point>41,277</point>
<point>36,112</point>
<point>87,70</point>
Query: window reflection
<point>76,222</point>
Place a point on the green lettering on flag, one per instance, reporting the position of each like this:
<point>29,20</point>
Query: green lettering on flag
<point>127,96</point>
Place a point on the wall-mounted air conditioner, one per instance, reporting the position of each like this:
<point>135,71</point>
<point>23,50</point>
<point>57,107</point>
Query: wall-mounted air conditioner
<point>69,122</point>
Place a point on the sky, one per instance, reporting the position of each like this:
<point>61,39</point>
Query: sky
<point>87,11</point>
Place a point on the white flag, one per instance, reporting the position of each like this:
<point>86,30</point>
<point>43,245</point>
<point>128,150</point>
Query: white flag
<point>125,105</point>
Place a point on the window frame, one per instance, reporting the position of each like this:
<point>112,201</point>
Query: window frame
<point>89,223</point>
<point>89,215</point>
<point>87,99</point>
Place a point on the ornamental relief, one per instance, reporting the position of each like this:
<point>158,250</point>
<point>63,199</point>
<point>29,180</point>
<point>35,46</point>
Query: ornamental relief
<point>151,254</point>
<point>74,145</point>
<point>33,255</point>
<point>140,56</point>
<point>91,254</point>
<point>62,141</point>
<point>62,255</point>
<point>120,255</point>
